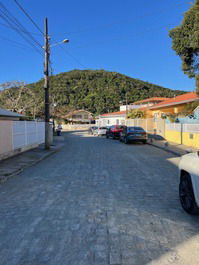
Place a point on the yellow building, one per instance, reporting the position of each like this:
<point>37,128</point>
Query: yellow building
<point>174,105</point>
<point>144,105</point>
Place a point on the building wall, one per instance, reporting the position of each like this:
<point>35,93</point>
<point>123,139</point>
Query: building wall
<point>172,110</point>
<point>5,136</point>
<point>187,134</point>
<point>108,121</point>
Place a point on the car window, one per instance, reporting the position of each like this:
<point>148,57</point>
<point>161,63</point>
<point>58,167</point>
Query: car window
<point>131,129</point>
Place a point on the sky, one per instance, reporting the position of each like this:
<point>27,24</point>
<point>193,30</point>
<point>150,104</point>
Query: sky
<point>129,37</point>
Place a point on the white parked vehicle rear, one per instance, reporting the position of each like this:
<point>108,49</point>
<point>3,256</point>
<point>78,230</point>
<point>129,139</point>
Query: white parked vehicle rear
<point>189,183</point>
<point>101,131</point>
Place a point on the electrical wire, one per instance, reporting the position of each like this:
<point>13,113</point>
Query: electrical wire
<point>6,26</point>
<point>14,23</point>
<point>15,28</point>
<point>73,57</point>
<point>20,45</point>
<point>19,32</point>
<point>28,16</point>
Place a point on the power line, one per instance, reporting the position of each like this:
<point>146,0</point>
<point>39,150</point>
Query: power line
<point>24,37</point>
<point>73,57</point>
<point>14,23</point>
<point>4,25</point>
<point>28,16</point>
<point>20,45</point>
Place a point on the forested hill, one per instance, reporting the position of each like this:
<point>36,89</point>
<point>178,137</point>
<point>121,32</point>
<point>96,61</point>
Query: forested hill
<point>97,91</point>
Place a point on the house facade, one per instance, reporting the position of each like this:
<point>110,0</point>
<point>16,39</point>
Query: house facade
<point>79,117</point>
<point>113,118</point>
<point>174,105</point>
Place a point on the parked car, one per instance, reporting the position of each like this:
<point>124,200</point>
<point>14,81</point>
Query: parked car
<point>130,134</point>
<point>101,131</point>
<point>92,129</point>
<point>189,183</point>
<point>114,131</point>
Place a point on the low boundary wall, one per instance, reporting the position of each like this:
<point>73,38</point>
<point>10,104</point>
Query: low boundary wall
<point>20,136</point>
<point>187,134</point>
<point>76,127</point>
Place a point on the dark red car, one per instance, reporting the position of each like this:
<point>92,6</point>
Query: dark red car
<point>114,131</point>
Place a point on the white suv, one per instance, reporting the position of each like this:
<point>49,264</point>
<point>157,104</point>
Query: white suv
<point>189,183</point>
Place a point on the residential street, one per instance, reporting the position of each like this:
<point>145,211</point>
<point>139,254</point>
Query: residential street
<point>97,202</point>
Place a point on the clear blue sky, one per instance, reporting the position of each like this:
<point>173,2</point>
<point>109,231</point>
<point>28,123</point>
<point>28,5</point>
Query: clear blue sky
<point>130,37</point>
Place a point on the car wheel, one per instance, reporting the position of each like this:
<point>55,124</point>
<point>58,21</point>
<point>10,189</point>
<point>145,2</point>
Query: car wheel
<point>144,141</point>
<point>107,136</point>
<point>186,194</point>
<point>126,140</point>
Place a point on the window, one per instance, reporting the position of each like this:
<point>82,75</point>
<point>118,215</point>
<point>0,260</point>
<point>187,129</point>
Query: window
<point>77,116</point>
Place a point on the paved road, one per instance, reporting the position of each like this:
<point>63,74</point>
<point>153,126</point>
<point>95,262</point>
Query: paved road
<point>97,202</point>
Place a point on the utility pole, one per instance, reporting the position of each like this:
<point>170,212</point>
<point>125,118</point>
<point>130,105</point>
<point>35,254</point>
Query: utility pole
<point>126,106</point>
<point>46,84</point>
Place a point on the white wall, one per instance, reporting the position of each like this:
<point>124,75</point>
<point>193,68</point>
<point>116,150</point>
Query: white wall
<point>108,121</point>
<point>27,133</point>
<point>129,107</point>
<point>19,136</point>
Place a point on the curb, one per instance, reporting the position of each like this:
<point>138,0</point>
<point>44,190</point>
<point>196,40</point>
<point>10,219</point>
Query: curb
<point>167,150</point>
<point>20,170</point>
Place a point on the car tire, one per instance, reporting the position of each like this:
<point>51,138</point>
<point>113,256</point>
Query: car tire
<point>107,136</point>
<point>144,141</point>
<point>186,194</point>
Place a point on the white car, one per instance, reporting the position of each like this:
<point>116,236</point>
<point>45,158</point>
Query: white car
<point>189,183</point>
<point>101,131</point>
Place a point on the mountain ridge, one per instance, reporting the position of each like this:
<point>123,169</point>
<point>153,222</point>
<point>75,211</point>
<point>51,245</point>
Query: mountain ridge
<point>97,91</point>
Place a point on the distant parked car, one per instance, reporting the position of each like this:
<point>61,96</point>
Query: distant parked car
<point>93,129</point>
<point>101,131</point>
<point>130,134</point>
<point>189,183</point>
<point>114,131</point>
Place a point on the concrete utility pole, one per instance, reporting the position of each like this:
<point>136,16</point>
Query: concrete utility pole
<point>46,84</point>
<point>126,105</point>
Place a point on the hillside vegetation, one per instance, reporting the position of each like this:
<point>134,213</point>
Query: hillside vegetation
<point>97,91</point>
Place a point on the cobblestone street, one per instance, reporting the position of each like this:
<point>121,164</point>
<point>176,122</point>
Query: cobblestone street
<point>97,202</point>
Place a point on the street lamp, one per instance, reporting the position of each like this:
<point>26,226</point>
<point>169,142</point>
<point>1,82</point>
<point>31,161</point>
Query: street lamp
<point>58,43</point>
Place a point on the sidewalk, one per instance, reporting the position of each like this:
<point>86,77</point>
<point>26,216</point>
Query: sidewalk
<point>16,164</point>
<point>176,149</point>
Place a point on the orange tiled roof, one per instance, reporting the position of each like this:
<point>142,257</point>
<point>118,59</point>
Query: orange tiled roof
<point>114,113</point>
<point>150,100</point>
<point>185,98</point>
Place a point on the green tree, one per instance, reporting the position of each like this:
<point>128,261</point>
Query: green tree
<point>185,42</point>
<point>97,91</point>
<point>136,114</point>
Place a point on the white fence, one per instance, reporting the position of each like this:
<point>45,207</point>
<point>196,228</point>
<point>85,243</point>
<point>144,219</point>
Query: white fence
<point>74,127</point>
<point>180,127</point>
<point>17,136</point>
<point>174,127</point>
<point>27,133</point>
